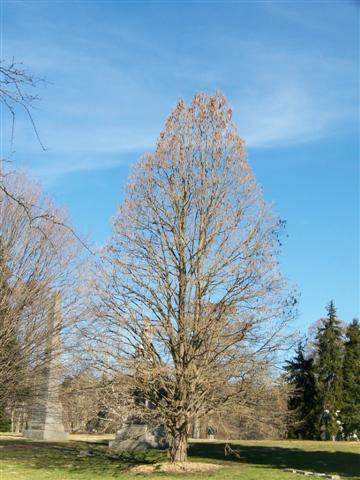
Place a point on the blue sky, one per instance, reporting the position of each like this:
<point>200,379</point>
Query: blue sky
<point>116,69</point>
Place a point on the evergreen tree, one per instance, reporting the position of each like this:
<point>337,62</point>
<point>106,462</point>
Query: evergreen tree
<point>351,379</point>
<point>329,374</point>
<point>300,375</point>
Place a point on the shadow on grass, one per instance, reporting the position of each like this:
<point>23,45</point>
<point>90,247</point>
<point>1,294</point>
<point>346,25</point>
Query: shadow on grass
<point>73,456</point>
<point>97,459</point>
<point>345,464</point>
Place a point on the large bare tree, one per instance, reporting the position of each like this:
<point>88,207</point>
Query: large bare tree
<point>191,299</point>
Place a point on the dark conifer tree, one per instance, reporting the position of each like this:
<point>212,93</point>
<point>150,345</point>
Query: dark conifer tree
<point>300,375</point>
<point>329,374</point>
<point>351,379</point>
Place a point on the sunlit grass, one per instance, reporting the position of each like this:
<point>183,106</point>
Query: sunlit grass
<point>83,459</point>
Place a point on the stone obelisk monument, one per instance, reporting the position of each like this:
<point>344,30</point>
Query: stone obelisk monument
<point>46,417</point>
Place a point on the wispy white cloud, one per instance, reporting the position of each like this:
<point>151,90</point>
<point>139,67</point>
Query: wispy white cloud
<point>287,115</point>
<point>56,168</point>
<point>112,90</point>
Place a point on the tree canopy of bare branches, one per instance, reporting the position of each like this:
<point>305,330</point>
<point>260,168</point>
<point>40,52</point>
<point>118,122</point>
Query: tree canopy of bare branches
<point>191,299</point>
<point>16,94</point>
<point>16,83</point>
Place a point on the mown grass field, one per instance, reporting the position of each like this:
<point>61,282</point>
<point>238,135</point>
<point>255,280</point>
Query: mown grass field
<point>27,460</point>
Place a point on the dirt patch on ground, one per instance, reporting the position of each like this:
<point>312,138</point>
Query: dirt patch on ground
<point>184,467</point>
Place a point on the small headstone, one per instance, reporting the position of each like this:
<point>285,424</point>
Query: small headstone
<point>85,453</point>
<point>313,474</point>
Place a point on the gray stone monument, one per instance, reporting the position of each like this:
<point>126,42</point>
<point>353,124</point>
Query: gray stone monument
<point>46,417</point>
<point>136,435</point>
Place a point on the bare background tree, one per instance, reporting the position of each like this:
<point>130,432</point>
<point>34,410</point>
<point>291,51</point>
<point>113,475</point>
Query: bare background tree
<point>95,404</point>
<point>34,263</point>
<point>38,253</point>
<point>190,302</point>
<point>261,413</point>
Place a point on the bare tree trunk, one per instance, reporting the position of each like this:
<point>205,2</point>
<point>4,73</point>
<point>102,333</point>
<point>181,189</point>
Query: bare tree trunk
<point>18,423</point>
<point>178,446</point>
<point>197,428</point>
<point>12,420</point>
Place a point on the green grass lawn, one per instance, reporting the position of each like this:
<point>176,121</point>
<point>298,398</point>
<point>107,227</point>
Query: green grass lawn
<point>28,460</point>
